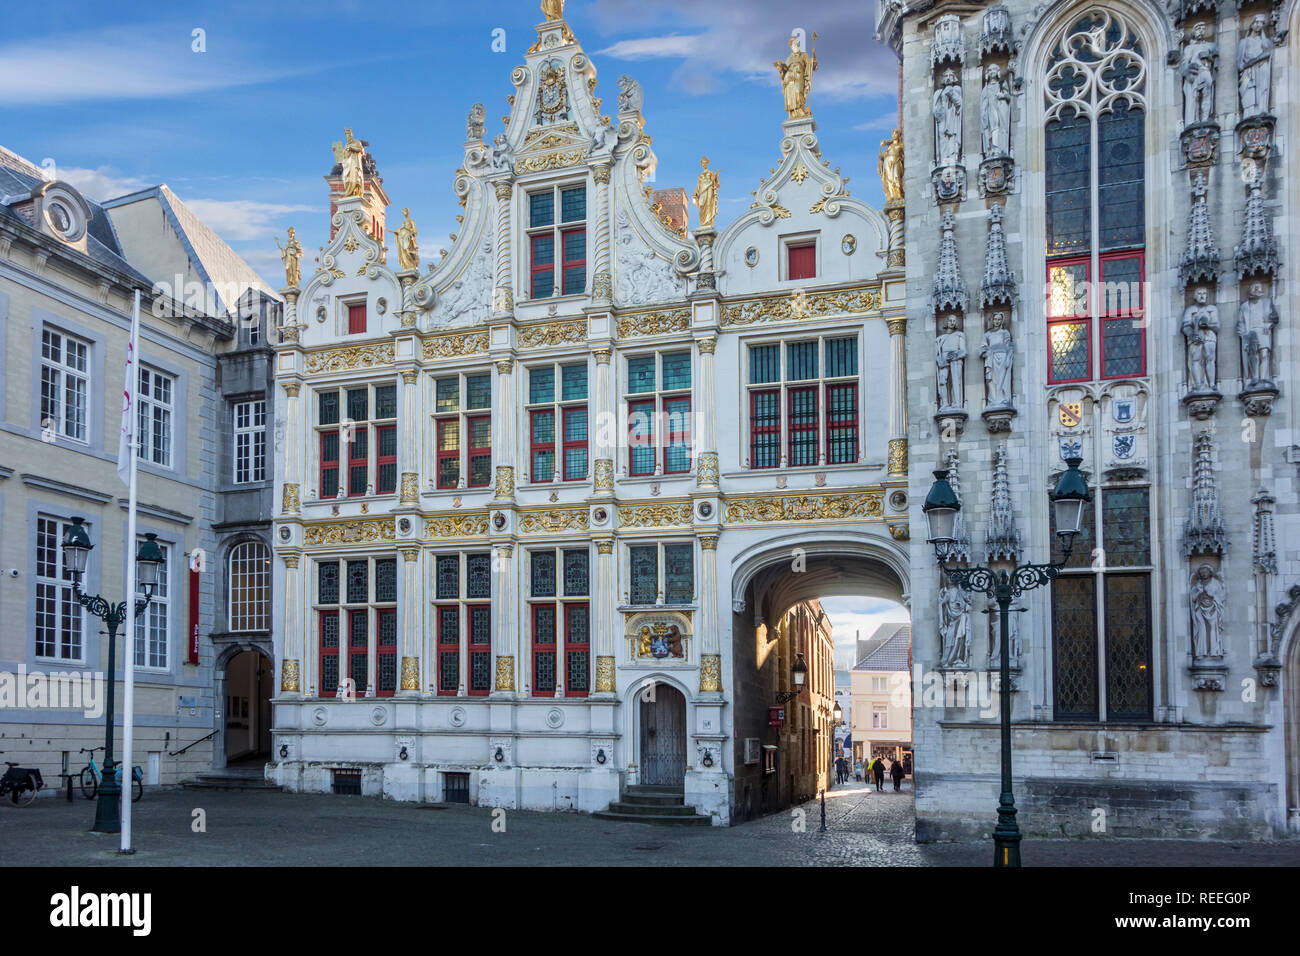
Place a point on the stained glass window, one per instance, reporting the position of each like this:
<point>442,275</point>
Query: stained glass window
<point>543,573</point>
<point>574,382</point>
<point>641,374</point>
<point>357,404</point>
<point>1126,527</point>
<point>327,582</point>
<point>679,573</point>
<point>1128,647</point>
<point>478,576</point>
<point>386,580</point>
<point>573,204</point>
<point>575,573</point>
<point>1069,358</point>
<point>478,391</point>
<point>1074,647</point>
<point>447,395</point>
<point>644,574</point>
<point>447,571</point>
<point>329,408</point>
<point>541,209</point>
<point>541,384</point>
<point>358,584</point>
<point>1069,214</point>
<point>677,370</point>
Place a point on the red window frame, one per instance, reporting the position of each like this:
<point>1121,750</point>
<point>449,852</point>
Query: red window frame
<point>801,261</point>
<point>804,428</point>
<point>536,269</point>
<point>756,430</point>
<point>580,646</point>
<point>328,465</point>
<point>327,652</point>
<point>568,264</point>
<point>362,651</point>
<point>382,460</point>
<point>551,647</point>
<point>477,648</point>
<point>681,437</point>
<point>535,447</point>
<point>478,451</point>
<point>449,454</point>
<point>849,421</point>
<point>566,444</point>
<point>360,440</point>
<point>1133,314</point>
<point>1082,318</point>
<point>645,407</point>
<point>357,319</point>
<point>385,650</point>
<point>447,647</point>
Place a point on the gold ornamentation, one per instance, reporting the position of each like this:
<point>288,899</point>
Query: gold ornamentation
<point>708,542</point>
<point>814,507</point>
<point>654,516</point>
<point>359,356</point>
<point>710,673</point>
<point>605,675</point>
<point>350,532</point>
<point>602,286</point>
<point>336,272</point>
<point>800,173</point>
<point>291,256</point>
<point>796,78</point>
<point>554,333</point>
<point>410,376</point>
<point>411,554</point>
<point>602,356</point>
<point>505,487</point>
<point>890,167</point>
<point>896,326</point>
<point>503,189</point>
<point>819,205</point>
<point>503,300</point>
<point>291,561</point>
<point>361,270</point>
<point>779,211</point>
<point>505,366</point>
<point>706,470</point>
<point>708,345</point>
<point>899,531</point>
<point>350,243</point>
<point>898,457</point>
<point>605,546</point>
<point>410,488</point>
<point>456,344</point>
<point>601,174</point>
<point>410,673</point>
<point>536,164</point>
<point>456,526</point>
<point>289,333</point>
<point>289,676</point>
<point>604,476</point>
<point>667,635</point>
<point>505,672</point>
<point>706,194</point>
<point>408,250</point>
<point>505,550</point>
<point>807,305</point>
<point>290,501</point>
<point>653,323</point>
<point>350,155</point>
<point>555,519</point>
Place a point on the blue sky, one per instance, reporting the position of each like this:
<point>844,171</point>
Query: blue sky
<point>117,99</point>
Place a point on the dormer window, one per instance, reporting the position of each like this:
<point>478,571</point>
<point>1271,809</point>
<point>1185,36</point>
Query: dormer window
<point>557,244</point>
<point>800,258</point>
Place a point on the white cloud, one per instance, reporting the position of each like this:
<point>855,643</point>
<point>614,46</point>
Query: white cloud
<point>238,219</point>
<point>673,46</point>
<point>100,184</point>
<point>885,121</point>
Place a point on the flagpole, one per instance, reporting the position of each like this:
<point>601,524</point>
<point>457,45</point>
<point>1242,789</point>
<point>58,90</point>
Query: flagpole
<point>128,637</point>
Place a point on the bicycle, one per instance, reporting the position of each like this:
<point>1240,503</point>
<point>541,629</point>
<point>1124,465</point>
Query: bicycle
<point>21,783</point>
<point>92,776</point>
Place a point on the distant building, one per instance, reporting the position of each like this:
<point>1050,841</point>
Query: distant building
<point>882,694</point>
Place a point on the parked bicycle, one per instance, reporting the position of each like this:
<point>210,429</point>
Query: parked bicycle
<point>21,783</point>
<point>92,777</point>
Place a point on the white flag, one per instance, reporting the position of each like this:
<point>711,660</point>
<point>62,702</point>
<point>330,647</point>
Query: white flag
<point>126,440</point>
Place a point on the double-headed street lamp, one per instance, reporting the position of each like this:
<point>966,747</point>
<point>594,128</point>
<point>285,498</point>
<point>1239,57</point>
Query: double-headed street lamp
<point>76,549</point>
<point>1003,582</point>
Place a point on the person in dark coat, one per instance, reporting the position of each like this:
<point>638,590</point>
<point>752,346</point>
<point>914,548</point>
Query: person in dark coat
<point>878,769</point>
<point>896,771</point>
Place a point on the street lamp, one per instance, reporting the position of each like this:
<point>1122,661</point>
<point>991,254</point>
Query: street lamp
<point>1004,583</point>
<point>76,549</point>
<point>799,672</point>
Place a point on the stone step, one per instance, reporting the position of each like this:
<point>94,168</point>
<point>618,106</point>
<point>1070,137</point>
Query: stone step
<point>655,790</point>
<point>670,809</point>
<point>231,782</point>
<point>653,799</point>
<point>660,818</point>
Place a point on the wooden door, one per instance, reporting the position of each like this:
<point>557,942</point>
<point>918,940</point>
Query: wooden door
<point>663,737</point>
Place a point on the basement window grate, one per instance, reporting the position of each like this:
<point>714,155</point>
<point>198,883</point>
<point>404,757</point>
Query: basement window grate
<point>347,782</point>
<point>455,787</point>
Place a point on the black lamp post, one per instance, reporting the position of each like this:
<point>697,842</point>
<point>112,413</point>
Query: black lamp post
<point>76,549</point>
<point>1003,584</point>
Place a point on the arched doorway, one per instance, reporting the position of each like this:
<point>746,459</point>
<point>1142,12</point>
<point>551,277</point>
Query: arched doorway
<point>661,754</point>
<point>247,710</point>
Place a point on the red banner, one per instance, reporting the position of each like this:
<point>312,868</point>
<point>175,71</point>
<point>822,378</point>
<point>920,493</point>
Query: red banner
<point>194,616</point>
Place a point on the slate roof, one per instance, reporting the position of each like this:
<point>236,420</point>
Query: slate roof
<point>887,649</point>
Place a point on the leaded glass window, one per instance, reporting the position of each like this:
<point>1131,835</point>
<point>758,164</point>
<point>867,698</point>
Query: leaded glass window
<point>558,423</point>
<point>356,610</point>
<point>645,574</point>
<point>659,418</point>
<point>560,629</point>
<point>478,576</point>
<point>803,409</point>
<point>575,573</point>
<point>448,581</point>
<point>679,573</point>
<point>463,430</point>
<point>543,568</point>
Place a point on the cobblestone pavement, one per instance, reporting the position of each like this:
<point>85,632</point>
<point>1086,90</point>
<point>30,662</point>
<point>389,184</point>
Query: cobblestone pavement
<point>271,828</point>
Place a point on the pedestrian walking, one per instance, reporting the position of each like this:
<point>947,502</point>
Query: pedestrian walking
<point>857,770</point>
<point>878,770</point>
<point>896,771</point>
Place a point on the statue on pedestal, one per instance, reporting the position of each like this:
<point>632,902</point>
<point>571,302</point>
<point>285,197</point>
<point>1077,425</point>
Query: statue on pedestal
<point>997,352</point>
<point>291,256</point>
<point>1201,330</point>
<point>1255,323</point>
<point>1208,600</point>
<point>350,156</point>
<point>796,78</point>
<point>1199,60</point>
<point>950,359</point>
<point>1254,69</point>
<point>946,109</point>
<point>553,10</point>
<point>706,193</point>
<point>995,115</point>
<point>890,167</point>
<point>954,627</point>
<point>408,252</point>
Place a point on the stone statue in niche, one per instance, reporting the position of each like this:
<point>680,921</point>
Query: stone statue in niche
<point>1201,332</point>
<point>997,353</point>
<point>1254,68</point>
<point>1200,59</point>
<point>947,121</point>
<point>1255,323</point>
<point>950,360</point>
<point>954,627</point>
<point>1208,599</point>
<point>995,115</point>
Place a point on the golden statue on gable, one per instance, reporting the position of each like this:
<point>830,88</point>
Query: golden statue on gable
<point>706,194</point>
<point>408,251</point>
<point>291,256</point>
<point>350,155</point>
<point>553,10</point>
<point>890,166</point>
<point>796,78</point>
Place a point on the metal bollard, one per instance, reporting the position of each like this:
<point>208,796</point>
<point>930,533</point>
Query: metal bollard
<point>823,826</point>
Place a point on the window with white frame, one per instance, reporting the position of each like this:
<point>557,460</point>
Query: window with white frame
<point>151,644</point>
<point>58,614</point>
<point>154,404</point>
<point>463,421</point>
<point>250,587</point>
<point>357,440</point>
<point>879,685</point>
<point>559,612</point>
<point>879,717</point>
<point>661,573</point>
<point>462,617</point>
<point>557,244</point>
<point>65,383</point>
<point>659,413</point>
<point>250,441</point>
<point>356,616</point>
<point>803,402</point>
<point>557,422</point>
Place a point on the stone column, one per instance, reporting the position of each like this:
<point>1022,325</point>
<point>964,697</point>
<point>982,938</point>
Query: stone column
<point>410,427</point>
<point>503,300</point>
<point>894,215</point>
<point>412,624</point>
<point>710,657</point>
<point>503,567</point>
<point>291,493</point>
<point>607,617</point>
<point>897,398</point>
<point>503,423</point>
<point>291,654</point>
<point>706,470</point>
<point>602,286</point>
<point>605,404</point>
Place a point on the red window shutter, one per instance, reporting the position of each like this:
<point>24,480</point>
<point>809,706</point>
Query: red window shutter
<point>356,319</point>
<point>802,262</point>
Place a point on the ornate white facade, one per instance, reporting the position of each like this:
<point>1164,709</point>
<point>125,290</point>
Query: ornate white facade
<point>689,434</point>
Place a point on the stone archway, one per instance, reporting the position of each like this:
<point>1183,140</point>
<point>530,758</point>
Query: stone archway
<point>1291,728</point>
<point>242,687</point>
